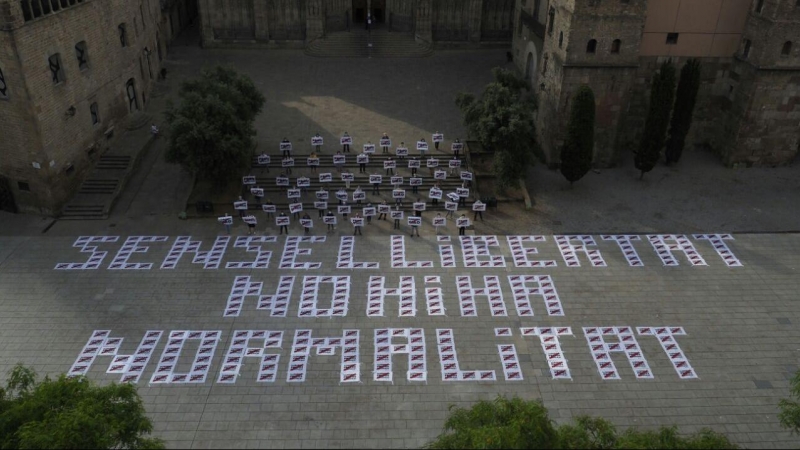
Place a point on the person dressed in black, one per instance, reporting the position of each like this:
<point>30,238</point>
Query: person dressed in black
<point>462,229</point>
<point>414,169</point>
<point>477,213</point>
<point>456,149</point>
<point>284,227</point>
<point>357,228</point>
<point>396,220</point>
<point>331,226</point>
<point>286,152</point>
<point>435,201</point>
<point>269,214</point>
<point>317,148</point>
<point>382,216</point>
<point>376,187</point>
<point>369,218</point>
<point>385,148</point>
<point>417,212</point>
<point>306,229</point>
<point>259,197</point>
<point>346,147</point>
<point>436,143</point>
<point>389,171</point>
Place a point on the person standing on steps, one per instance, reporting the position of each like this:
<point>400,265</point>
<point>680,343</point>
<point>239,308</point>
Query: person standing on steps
<point>317,148</point>
<point>357,228</point>
<point>397,219</point>
<point>382,216</point>
<point>346,147</point>
<point>286,152</point>
<point>385,148</point>
<point>284,227</point>
<point>331,227</point>
<point>462,229</point>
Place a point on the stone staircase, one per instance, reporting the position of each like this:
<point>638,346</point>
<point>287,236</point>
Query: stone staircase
<point>360,44</point>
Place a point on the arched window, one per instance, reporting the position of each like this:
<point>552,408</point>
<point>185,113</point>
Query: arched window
<point>560,39</point>
<point>551,20</point>
<point>591,47</point>
<point>615,46</point>
<point>760,6</point>
<point>130,90</point>
<point>746,48</point>
<point>786,50</point>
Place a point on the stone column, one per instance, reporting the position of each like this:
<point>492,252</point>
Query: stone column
<point>261,19</point>
<point>315,20</point>
<point>424,20</point>
<point>475,20</point>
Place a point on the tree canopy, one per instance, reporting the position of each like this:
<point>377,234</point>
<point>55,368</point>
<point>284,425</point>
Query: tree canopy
<point>576,155</point>
<point>790,407</point>
<point>71,413</point>
<point>662,94</point>
<point>501,119</point>
<point>519,424</point>
<point>211,131</point>
<point>685,99</point>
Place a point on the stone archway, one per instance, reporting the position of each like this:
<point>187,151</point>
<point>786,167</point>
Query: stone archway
<point>532,64</point>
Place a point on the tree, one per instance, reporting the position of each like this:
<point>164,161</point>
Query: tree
<point>520,424</point>
<point>502,121</point>
<point>685,99</point>
<point>71,413</point>
<point>790,408</point>
<point>576,155</point>
<point>211,132</point>
<point>655,128</point>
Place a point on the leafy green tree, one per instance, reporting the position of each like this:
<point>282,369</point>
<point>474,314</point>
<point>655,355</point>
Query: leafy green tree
<point>211,132</point>
<point>576,155</point>
<point>71,413</point>
<point>685,99</point>
<point>655,128</point>
<point>502,121</point>
<point>520,424</point>
<point>790,407</point>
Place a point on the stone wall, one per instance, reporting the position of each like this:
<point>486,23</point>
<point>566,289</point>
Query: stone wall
<point>65,144</point>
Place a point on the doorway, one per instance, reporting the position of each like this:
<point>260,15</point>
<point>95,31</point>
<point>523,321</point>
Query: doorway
<point>359,11</point>
<point>378,11</point>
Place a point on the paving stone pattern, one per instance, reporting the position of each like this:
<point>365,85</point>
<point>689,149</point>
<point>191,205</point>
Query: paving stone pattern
<point>741,336</point>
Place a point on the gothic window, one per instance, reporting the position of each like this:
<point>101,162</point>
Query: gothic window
<point>3,85</point>
<point>123,35</point>
<point>551,20</point>
<point>544,64</point>
<point>95,113</point>
<point>591,47</point>
<point>786,50</point>
<point>56,70</point>
<point>560,39</point>
<point>536,5</point>
<point>615,46</point>
<point>672,38</point>
<point>33,9</point>
<point>760,6</point>
<point>746,48</point>
<point>82,53</point>
<point>130,90</point>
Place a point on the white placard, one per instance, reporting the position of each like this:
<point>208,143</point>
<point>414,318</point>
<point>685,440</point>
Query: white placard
<point>386,142</point>
<point>348,177</point>
<point>457,146</point>
<point>225,220</point>
<point>375,179</point>
<point>398,193</point>
<point>325,177</point>
<point>422,145</point>
<point>339,159</point>
<point>415,181</point>
<point>396,214</point>
<point>249,180</point>
<point>389,164</point>
<point>282,220</point>
<point>466,176</point>
<point>479,206</point>
<point>341,195</point>
<point>362,159</point>
<point>440,175</point>
<point>359,195</point>
<point>269,208</point>
<point>439,221</point>
<point>303,182</point>
<point>401,151</point>
<point>287,162</point>
<point>414,164</point>
<point>322,195</point>
<point>455,163</point>
<point>462,192</point>
<point>396,181</point>
<point>346,140</point>
<point>357,221</point>
<point>344,209</point>
<point>369,148</point>
<point>453,196</point>
<point>368,211</point>
<point>240,205</point>
<point>414,221</point>
<point>286,146</point>
<point>263,160</point>
<point>438,137</point>
<point>258,192</point>
<point>435,193</point>
<point>321,205</point>
<point>462,222</point>
<point>282,181</point>
<point>329,220</point>
<point>295,207</point>
<point>307,223</point>
<point>384,209</point>
<point>420,206</point>
<point>316,140</point>
<point>312,161</point>
<point>432,162</point>
<point>250,220</point>
<point>451,206</point>
<point>293,193</point>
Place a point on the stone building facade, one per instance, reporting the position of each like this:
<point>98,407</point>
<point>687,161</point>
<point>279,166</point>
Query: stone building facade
<point>297,22</point>
<point>748,109</point>
<point>72,72</point>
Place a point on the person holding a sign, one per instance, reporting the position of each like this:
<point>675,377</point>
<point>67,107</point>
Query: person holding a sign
<point>401,151</point>
<point>227,221</point>
<point>463,223</point>
<point>317,142</point>
<point>357,222</point>
<point>384,138</point>
<point>451,208</point>
<point>358,195</point>
<point>338,162</point>
<point>413,166</point>
<point>463,193</point>
<point>435,201</point>
<point>287,164</point>
<point>389,163</point>
<point>456,147</point>
<point>344,212</point>
<point>479,207</point>
<point>258,193</point>
<point>398,195</point>
<point>283,222</point>
<point>422,146</point>
<point>375,180</point>
<point>251,224</point>
<point>311,163</point>
<point>438,221</point>
<point>241,206</point>
<point>341,195</point>
<point>263,161</point>
<point>269,210</point>
<point>362,159</point>
<point>437,137</point>
<point>369,217</point>
<point>306,222</point>
<point>346,139</point>
<point>418,206</point>
<point>330,219</point>
<point>398,215</point>
<point>414,224</point>
<point>286,148</point>
<point>383,207</point>
<point>455,163</point>
<point>414,185</point>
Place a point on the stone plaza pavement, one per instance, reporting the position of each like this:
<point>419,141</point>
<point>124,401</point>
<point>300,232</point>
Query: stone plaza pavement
<point>741,341</point>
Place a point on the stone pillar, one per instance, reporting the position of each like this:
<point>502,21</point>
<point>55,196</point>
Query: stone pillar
<point>424,20</point>
<point>261,20</point>
<point>475,20</point>
<point>315,20</point>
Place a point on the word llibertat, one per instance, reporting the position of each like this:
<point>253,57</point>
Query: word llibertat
<point>476,251</point>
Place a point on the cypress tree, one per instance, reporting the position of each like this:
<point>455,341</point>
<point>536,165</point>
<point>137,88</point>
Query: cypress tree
<point>662,95</point>
<point>685,99</point>
<point>576,155</point>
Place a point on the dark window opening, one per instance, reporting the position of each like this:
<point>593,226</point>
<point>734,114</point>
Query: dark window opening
<point>760,6</point>
<point>130,89</point>
<point>95,113</point>
<point>746,48</point>
<point>123,35</point>
<point>591,47</point>
<point>672,38</point>
<point>551,19</point>
<point>3,85</point>
<point>70,169</point>
<point>787,48</point>
<point>23,186</point>
<point>560,39</point>
<point>55,68</point>
<point>82,53</point>
<point>615,46</point>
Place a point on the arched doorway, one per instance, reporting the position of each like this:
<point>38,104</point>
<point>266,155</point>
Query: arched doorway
<point>531,64</point>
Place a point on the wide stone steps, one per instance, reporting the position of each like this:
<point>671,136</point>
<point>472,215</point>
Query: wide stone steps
<point>82,212</point>
<point>360,44</point>
<point>99,186</point>
<point>108,162</point>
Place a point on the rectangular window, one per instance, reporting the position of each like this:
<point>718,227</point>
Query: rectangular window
<point>56,69</point>
<point>3,85</point>
<point>82,53</point>
<point>672,38</point>
<point>94,111</point>
<point>23,186</point>
<point>123,35</point>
